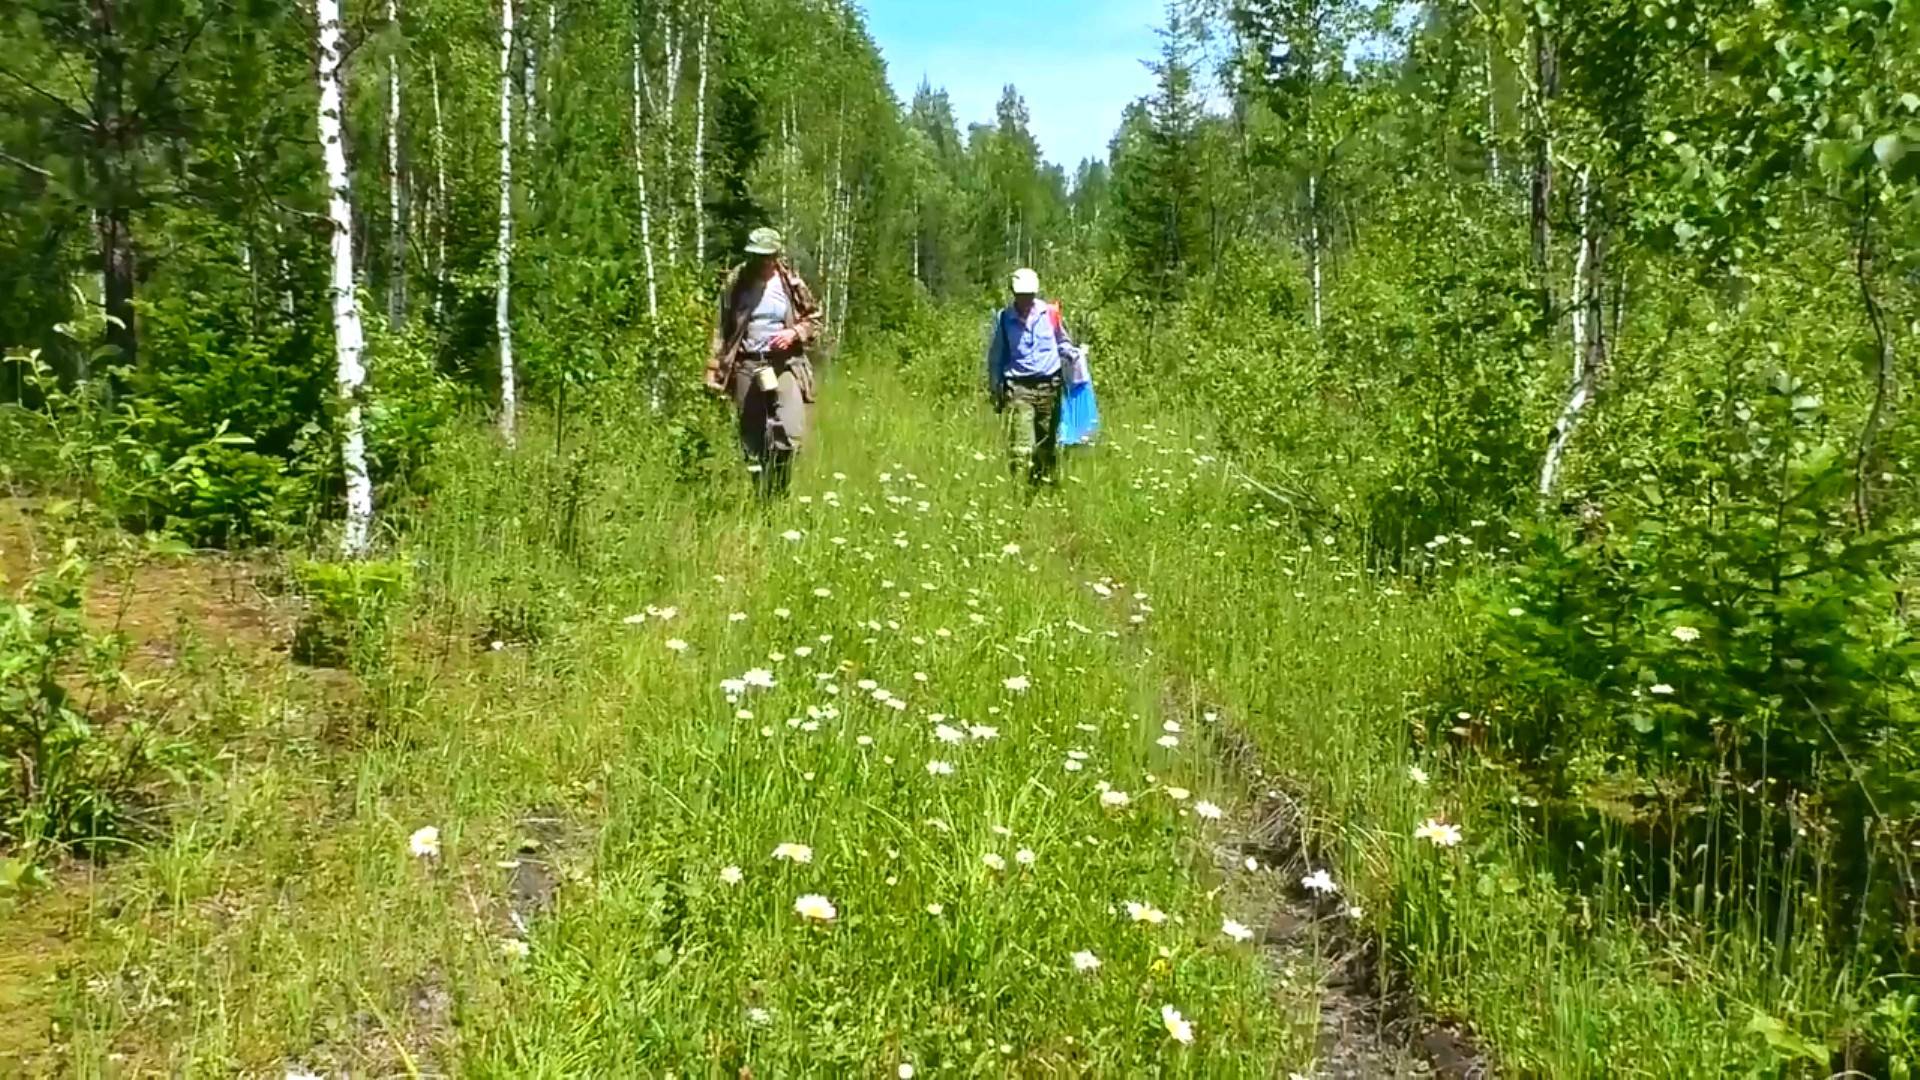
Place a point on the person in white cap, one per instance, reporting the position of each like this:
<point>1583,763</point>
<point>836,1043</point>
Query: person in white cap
<point>1025,359</point>
<point>768,318</point>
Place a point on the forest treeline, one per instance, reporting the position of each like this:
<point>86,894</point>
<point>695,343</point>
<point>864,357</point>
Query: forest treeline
<point>1596,315</point>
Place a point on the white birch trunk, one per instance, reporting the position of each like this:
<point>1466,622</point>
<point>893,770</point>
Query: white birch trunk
<point>1313,242</point>
<point>700,154</point>
<point>350,373</point>
<point>640,177</point>
<point>440,211</point>
<point>503,324</point>
<point>529,80</point>
<point>1582,391</point>
<point>546,91</point>
<point>672,114</point>
<point>396,234</point>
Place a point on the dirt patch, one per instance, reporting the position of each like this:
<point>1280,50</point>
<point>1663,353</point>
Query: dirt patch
<point>1370,1024</point>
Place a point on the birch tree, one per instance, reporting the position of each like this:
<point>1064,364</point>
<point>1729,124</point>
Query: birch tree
<point>700,151</point>
<point>349,342</point>
<point>503,291</point>
<point>396,232</point>
<point>640,93</point>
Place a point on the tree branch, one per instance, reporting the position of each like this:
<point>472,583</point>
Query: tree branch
<point>27,165</point>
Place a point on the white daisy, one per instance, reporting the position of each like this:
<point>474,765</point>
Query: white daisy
<point>425,843</point>
<point>815,907</point>
<point>799,853</point>
<point>1236,931</point>
<point>1207,810</point>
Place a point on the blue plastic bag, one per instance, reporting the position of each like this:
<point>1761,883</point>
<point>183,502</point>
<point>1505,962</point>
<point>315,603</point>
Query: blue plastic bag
<point>1079,414</point>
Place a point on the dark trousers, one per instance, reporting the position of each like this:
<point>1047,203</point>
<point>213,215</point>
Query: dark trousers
<point>1033,428</point>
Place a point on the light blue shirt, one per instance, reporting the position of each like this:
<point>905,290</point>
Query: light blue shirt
<point>1025,348</point>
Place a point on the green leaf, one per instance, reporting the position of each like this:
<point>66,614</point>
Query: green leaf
<point>1889,149</point>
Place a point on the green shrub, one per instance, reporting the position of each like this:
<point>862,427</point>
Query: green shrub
<point>67,777</point>
<point>349,608</point>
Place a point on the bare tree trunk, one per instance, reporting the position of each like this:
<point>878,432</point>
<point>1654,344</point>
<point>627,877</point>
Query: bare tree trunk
<point>529,82</point>
<point>1313,244</point>
<point>110,149</point>
<point>640,176</point>
<point>1546,79</point>
<point>700,153</point>
<point>396,231</point>
<point>348,340</point>
<point>1589,335</point>
<point>440,209</point>
<point>1883,360</point>
<point>503,293</point>
<point>672,33</point>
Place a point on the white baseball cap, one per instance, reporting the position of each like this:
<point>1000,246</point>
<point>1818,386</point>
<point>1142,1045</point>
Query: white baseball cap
<point>1025,282</point>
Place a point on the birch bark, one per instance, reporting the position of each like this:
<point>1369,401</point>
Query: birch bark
<point>396,231</point>
<point>503,292</point>
<point>640,176</point>
<point>350,373</point>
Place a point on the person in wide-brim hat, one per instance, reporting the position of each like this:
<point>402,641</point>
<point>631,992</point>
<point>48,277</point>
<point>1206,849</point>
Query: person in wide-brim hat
<point>768,319</point>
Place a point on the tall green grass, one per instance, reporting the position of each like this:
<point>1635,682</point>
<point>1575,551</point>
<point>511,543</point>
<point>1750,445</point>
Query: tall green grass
<point>541,708</point>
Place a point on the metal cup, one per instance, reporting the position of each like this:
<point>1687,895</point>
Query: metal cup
<point>767,379</point>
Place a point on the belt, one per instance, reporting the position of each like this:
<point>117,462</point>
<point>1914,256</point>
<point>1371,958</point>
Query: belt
<point>1034,380</point>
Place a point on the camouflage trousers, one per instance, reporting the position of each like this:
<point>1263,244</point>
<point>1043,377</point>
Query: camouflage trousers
<point>1032,415</point>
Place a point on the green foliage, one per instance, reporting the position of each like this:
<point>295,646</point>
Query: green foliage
<point>69,774</point>
<point>348,611</point>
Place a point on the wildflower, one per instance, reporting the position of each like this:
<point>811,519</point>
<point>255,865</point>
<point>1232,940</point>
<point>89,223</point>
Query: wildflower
<point>823,592</point>
<point>947,733</point>
<point>1178,794</point>
<point>1024,856</point>
<point>1115,799</point>
<point>676,645</point>
<point>791,535</point>
<point>732,875</point>
<point>1077,755</point>
<point>905,1071</point>
<point>1177,1026</point>
<point>758,1015</point>
<point>799,853</point>
<point>1356,912</point>
<point>759,677</point>
<point>816,907</point>
<point>738,616</point>
<point>1662,689</point>
<point>1514,612</point>
<point>1073,765</point>
<point>982,731</point>
<point>1207,810</point>
<point>514,949</point>
<point>1084,960</point>
<point>1441,833</point>
<point>994,861</point>
<point>1168,741</point>
<point>1145,913</point>
<point>1018,684</point>
<point>1010,549</point>
<point>783,613</point>
<point>936,909</point>
<point>1236,931</point>
<point>864,740</point>
<point>635,619</point>
<point>1686,635</point>
<point>939,768</point>
<point>1417,774</point>
<point>1319,882</point>
<point>425,843</point>
<point>1172,727</point>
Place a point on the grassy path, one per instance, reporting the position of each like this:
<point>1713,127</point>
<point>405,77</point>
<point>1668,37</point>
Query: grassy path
<point>1018,750</point>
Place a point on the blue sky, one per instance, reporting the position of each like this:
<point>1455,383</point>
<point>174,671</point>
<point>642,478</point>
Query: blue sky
<point>1077,62</point>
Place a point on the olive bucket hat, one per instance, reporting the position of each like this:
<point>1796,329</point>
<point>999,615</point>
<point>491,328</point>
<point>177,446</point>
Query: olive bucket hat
<point>764,241</point>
